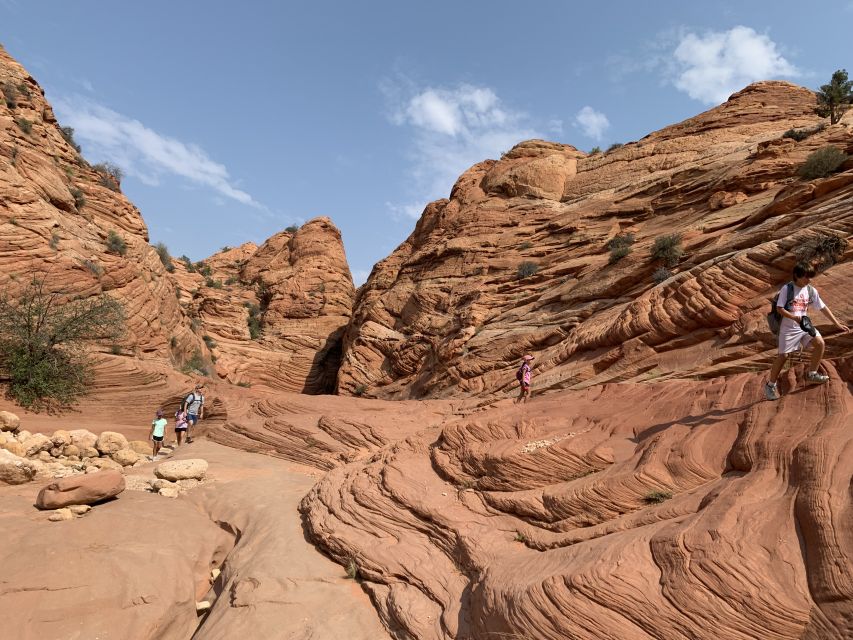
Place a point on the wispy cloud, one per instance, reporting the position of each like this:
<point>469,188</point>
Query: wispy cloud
<point>592,123</point>
<point>452,129</point>
<point>713,65</point>
<point>143,152</point>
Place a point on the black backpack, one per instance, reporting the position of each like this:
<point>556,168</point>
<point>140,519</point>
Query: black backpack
<point>774,318</point>
<point>519,375</point>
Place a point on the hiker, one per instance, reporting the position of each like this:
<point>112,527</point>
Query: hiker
<point>193,404</point>
<point>796,330</point>
<point>523,377</point>
<point>158,430</point>
<point>180,425</point>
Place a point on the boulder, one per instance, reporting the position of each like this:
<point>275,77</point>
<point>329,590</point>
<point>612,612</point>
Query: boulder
<point>71,450</point>
<point>109,442</point>
<point>83,438</point>
<point>106,463</point>
<point>125,457</point>
<point>13,446</point>
<point>189,483</point>
<point>137,483</point>
<point>23,435</point>
<point>9,421</point>
<point>169,492</point>
<point>140,446</point>
<point>182,469</point>
<point>81,489</point>
<point>60,438</point>
<point>14,469</point>
<point>159,483</point>
<point>89,452</point>
<point>36,443</point>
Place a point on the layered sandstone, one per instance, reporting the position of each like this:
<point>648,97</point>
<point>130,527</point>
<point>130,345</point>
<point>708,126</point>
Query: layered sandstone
<point>447,313</point>
<point>298,290</point>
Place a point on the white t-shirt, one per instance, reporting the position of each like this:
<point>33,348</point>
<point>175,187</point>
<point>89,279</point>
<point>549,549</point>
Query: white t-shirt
<point>800,305</point>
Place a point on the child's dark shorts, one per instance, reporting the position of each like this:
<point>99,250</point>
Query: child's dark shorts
<point>157,438</point>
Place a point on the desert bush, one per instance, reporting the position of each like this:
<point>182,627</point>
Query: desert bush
<point>24,125</point>
<point>292,228</point>
<point>115,349</point>
<point>163,253</point>
<point>244,384</point>
<point>525,245</point>
<point>835,98</point>
<point>661,274</point>
<point>43,336</point>
<point>822,251</point>
<point>520,537</point>
<point>255,320</point>
<point>188,264</point>
<point>68,134</point>
<point>801,134</point>
<point>10,95</point>
<point>94,267</point>
<point>614,146</point>
<point>822,162</point>
<point>620,246</point>
<point>210,342</point>
<point>225,248</point>
<point>656,497</point>
<point>54,241</point>
<point>352,569</point>
<point>79,198</point>
<point>594,151</point>
<point>264,294</point>
<point>204,269</point>
<point>230,280</point>
<point>360,389</point>
<point>668,249</point>
<point>116,244</point>
<point>195,363</point>
<point>527,269</point>
<point>111,175</point>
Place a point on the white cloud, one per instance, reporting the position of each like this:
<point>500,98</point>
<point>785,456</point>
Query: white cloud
<point>142,152</point>
<point>712,66</point>
<point>452,129</point>
<point>593,123</point>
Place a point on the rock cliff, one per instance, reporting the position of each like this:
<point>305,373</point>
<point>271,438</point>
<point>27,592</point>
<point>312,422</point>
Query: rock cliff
<point>517,259</point>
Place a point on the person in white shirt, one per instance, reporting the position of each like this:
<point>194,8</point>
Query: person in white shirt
<point>796,331</point>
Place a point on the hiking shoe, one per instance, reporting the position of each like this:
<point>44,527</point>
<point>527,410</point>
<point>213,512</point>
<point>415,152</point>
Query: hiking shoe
<point>771,391</point>
<point>813,377</point>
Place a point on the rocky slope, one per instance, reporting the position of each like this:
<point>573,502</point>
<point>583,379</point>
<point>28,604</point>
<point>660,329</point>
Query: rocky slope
<point>448,313</point>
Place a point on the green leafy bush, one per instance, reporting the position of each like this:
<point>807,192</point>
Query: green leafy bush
<point>594,151</point>
<point>668,249</point>
<point>835,98</point>
<point>42,343</point>
<point>360,389</point>
<point>620,246</point>
<point>79,198</point>
<point>656,497</point>
<point>525,245</point>
<point>822,162</point>
<point>661,274</point>
<point>24,125</point>
<point>165,258</point>
<point>255,320</point>
<point>116,244</point>
<point>10,95</point>
<point>527,269</point>
<point>292,229</point>
<point>68,134</point>
<point>94,267</point>
<point>614,146</point>
<point>111,175</point>
<point>822,251</point>
<point>195,363</point>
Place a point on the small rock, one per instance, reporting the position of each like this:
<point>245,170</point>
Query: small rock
<point>90,452</point>
<point>204,605</point>
<point>125,457</point>
<point>80,509</point>
<point>71,450</point>
<point>109,442</point>
<point>188,483</point>
<point>61,514</point>
<point>15,469</point>
<point>214,574</point>
<point>9,421</point>
<point>60,438</point>
<point>169,492</point>
<point>56,451</point>
<point>106,463</point>
<point>140,446</point>
<point>44,456</point>
<point>159,483</point>
<point>23,435</point>
<point>182,469</point>
<point>91,469</point>
<point>82,438</point>
<point>35,444</point>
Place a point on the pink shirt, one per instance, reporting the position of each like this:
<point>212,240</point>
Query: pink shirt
<point>525,373</point>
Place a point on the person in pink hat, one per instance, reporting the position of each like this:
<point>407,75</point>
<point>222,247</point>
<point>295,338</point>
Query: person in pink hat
<point>523,377</point>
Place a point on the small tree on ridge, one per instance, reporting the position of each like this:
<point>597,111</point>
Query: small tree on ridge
<point>835,98</point>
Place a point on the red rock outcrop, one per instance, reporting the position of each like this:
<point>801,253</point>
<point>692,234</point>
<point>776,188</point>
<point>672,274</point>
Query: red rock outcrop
<point>448,313</point>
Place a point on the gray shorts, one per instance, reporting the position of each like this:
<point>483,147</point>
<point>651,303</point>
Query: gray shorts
<point>792,338</point>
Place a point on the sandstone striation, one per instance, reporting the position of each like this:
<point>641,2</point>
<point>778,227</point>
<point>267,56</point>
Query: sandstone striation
<point>448,312</point>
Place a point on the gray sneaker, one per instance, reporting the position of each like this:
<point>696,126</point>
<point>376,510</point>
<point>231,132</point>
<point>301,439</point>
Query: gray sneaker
<point>813,377</point>
<point>771,391</point>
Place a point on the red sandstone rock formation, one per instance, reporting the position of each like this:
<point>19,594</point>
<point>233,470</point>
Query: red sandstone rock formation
<point>447,314</point>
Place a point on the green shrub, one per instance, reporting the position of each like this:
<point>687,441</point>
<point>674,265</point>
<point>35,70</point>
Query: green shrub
<point>668,249</point>
<point>527,269</point>
<point>42,343</point>
<point>617,253</point>
<point>204,269</point>
<point>619,246</point>
<point>173,342</point>
<point>244,384</point>
<point>13,156</point>
<point>360,390</point>
<point>94,267</point>
<point>10,94</point>
<point>835,98</point>
<point>13,221</point>
<point>54,241</point>
<point>195,363</point>
<point>292,229</point>
<point>822,162</point>
<point>255,320</point>
<point>24,125</point>
<point>225,248</point>
<point>115,349</point>
<point>594,151</point>
<point>352,569</point>
<point>24,90</point>
<point>111,175</point>
<point>188,264</point>
<point>79,198</point>
<point>210,342</point>
<point>68,134</point>
<point>230,280</point>
<point>656,497</point>
<point>165,258</point>
<point>822,251</point>
<point>525,245</point>
<point>661,274</point>
<point>520,537</point>
<point>801,134</point>
<point>614,146</point>
<point>116,244</point>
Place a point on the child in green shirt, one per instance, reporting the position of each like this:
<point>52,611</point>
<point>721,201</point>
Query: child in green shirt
<point>158,431</point>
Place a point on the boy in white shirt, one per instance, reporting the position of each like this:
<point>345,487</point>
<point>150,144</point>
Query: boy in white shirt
<point>795,330</point>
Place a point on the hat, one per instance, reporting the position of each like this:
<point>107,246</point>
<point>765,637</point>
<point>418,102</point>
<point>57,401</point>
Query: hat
<point>527,358</point>
<point>159,413</point>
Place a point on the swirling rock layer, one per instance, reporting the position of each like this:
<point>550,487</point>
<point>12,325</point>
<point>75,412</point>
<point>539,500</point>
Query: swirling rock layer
<point>448,313</point>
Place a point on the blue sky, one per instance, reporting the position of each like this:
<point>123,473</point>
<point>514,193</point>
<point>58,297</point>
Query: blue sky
<point>235,120</point>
